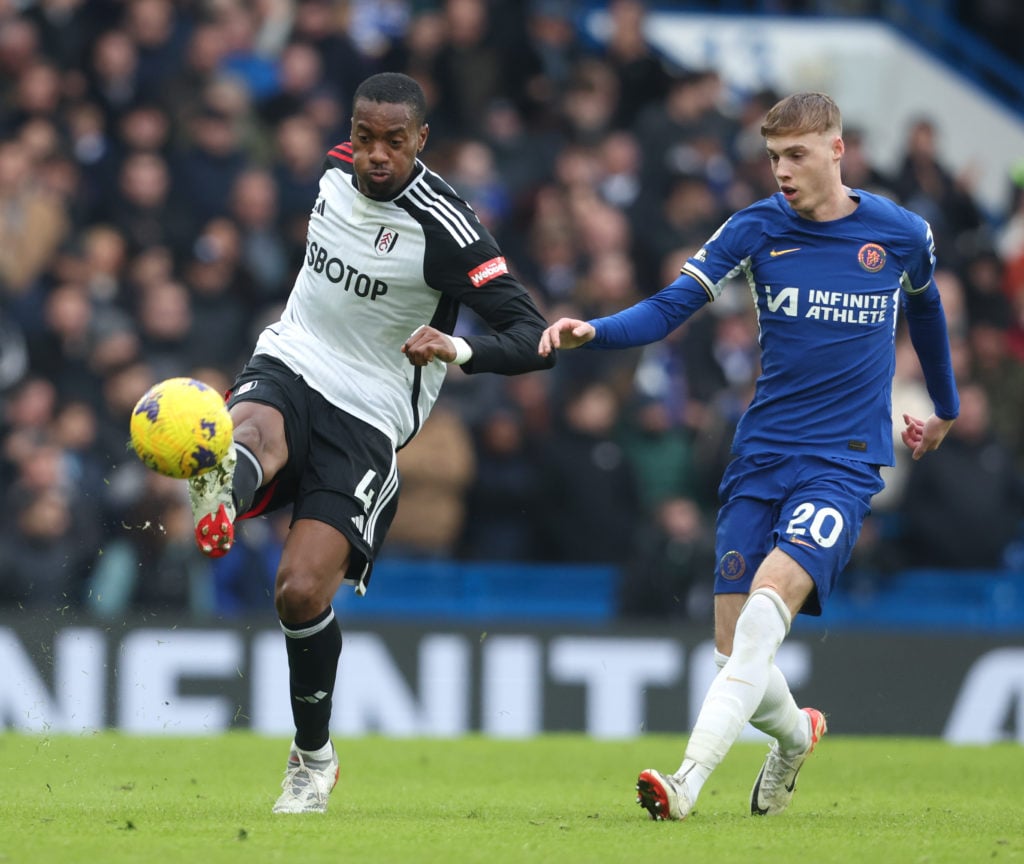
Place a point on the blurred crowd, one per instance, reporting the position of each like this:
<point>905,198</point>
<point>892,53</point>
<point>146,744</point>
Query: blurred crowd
<point>158,161</point>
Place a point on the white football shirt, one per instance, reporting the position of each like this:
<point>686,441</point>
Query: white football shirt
<point>373,272</point>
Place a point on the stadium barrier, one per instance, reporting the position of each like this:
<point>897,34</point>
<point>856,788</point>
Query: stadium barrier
<point>405,678</point>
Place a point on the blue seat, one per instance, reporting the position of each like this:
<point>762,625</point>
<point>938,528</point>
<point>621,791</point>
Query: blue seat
<point>452,590</point>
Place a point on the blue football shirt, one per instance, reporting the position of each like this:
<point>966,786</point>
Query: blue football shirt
<point>827,295</point>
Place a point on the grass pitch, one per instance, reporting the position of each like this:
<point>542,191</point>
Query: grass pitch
<point>111,798</point>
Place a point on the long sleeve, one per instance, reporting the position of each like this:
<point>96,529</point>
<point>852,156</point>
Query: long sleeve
<point>926,322</point>
<point>512,348</point>
<point>650,319</point>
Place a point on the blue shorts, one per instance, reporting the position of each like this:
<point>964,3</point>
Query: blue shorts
<point>809,506</point>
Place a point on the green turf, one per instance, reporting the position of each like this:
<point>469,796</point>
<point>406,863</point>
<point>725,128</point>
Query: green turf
<point>111,798</point>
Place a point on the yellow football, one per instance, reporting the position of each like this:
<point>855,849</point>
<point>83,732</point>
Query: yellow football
<point>181,428</point>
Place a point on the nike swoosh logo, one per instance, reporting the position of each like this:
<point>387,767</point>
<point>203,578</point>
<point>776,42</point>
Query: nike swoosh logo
<point>792,783</point>
<point>801,542</point>
<point>775,253</point>
<point>738,680</point>
<point>755,799</point>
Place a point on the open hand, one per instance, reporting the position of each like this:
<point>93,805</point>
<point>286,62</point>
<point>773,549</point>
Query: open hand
<point>565,333</point>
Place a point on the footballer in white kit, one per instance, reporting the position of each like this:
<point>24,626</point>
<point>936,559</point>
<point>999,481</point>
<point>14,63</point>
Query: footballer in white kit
<point>347,377</point>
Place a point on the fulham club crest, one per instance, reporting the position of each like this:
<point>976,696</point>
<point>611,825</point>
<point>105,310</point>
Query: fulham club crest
<point>386,240</point>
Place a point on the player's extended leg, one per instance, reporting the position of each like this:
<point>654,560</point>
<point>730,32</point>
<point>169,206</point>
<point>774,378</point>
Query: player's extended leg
<point>780,588</point>
<point>259,451</point>
<point>313,563</point>
<point>730,702</point>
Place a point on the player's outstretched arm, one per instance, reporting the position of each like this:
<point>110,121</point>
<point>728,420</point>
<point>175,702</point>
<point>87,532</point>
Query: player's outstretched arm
<point>565,333</point>
<point>923,436</point>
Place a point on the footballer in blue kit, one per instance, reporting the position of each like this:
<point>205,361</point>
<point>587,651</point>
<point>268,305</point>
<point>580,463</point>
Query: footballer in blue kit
<point>831,270</point>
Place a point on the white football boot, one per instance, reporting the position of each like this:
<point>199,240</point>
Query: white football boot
<point>213,507</point>
<point>664,796</point>
<point>307,783</point>
<point>773,789</point>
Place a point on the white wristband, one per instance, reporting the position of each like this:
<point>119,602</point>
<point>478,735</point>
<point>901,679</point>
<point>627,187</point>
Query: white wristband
<point>463,351</point>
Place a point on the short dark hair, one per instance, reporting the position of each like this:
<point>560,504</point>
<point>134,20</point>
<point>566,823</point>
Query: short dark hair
<point>394,88</point>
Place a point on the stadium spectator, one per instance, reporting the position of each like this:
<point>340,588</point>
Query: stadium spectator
<point>28,411</point>
<point>157,29</point>
<point>165,318</point>
<point>207,167</point>
<point>37,93</point>
<point>264,253</point>
<point>673,131</point>
<point>963,511</point>
<point>123,386</point>
<point>145,207</point>
<point>437,469</point>
<point>589,504</point>
<point>42,554</point>
<point>241,28</point>
<point>983,279</point>
<point>298,156</point>
<point>223,297</point>
<point>153,564</point>
<point>469,69</point>
<point>65,30</point>
<point>503,496</point>
<point>323,24</point>
<point>75,431</point>
<point>927,187</point>
<point>619,183</point>
<point>61,349</point>
<point>19,46</point>
<point>94,147</point>
<point>659,451</point>
<point>667,579</point>
<point>300,74</point>
<point>113,74</point>
<point>858,170</point>
<point>32,224</point>
<point>687,212</point>
<point>1001,376</point>
<point>643,76</point>
<point>554,52</point>
<point>198,67</point>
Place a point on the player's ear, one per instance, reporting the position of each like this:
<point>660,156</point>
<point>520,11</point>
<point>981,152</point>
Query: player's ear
<point>838,147</point>
<point>424,132</point>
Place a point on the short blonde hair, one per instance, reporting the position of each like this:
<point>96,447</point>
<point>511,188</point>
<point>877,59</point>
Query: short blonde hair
<point>802,113</point>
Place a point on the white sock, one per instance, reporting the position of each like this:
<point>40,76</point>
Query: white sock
<point>738,688</point>
<point>321,755</point>
<point>778,714</point>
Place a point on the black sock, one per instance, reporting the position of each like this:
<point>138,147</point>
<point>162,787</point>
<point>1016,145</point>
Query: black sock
<point>313,652</point>
<point>248,478</point>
